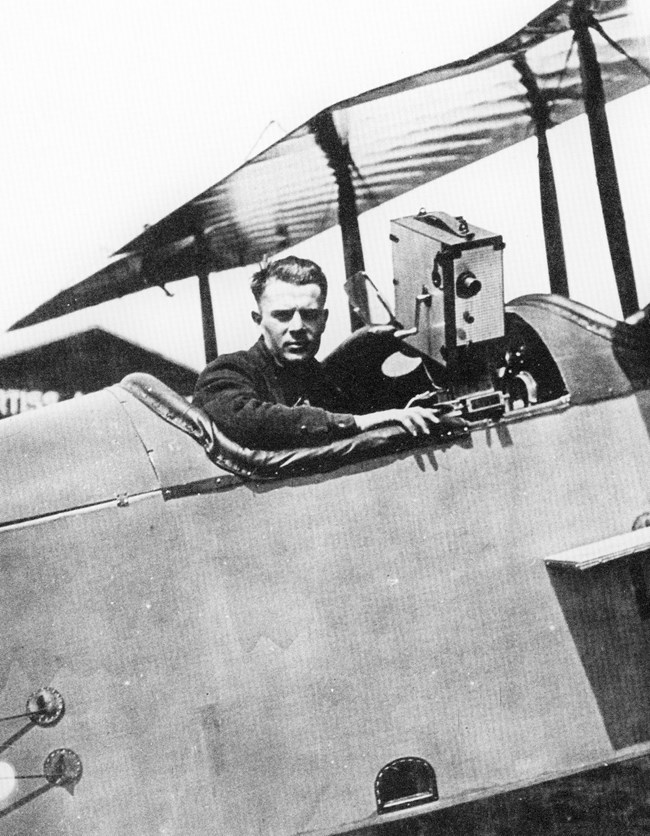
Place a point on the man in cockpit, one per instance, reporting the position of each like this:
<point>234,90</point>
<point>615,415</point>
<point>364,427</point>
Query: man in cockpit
<point>276,395</point>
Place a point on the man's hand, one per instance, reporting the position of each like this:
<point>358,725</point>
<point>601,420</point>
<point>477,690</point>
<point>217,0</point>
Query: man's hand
<point>416,419</point>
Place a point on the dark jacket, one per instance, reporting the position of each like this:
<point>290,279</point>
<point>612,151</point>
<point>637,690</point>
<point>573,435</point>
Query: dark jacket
<point>261,404</point>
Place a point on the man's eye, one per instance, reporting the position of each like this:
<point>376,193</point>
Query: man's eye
<point>311,315</point>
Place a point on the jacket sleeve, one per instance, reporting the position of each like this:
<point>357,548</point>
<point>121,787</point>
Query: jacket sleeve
<point>233,397</point>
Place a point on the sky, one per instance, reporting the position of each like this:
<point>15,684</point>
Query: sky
<point>115,113</point>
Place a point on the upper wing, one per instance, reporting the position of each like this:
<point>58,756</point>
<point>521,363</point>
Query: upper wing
<point>394,138</point>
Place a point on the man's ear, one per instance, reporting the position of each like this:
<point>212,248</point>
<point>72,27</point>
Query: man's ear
<point>256,317</point>
<point>326,313</point>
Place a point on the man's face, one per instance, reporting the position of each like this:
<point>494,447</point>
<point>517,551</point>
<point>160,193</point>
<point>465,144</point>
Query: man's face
<point>292,319</point>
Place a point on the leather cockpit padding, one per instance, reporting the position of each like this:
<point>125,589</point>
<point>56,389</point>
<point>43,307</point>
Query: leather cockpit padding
<point>274,464</point>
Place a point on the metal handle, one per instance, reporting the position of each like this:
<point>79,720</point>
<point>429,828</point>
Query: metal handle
<point>423,298</point>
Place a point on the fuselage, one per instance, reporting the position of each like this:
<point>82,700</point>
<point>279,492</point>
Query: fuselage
<point>246,657</point>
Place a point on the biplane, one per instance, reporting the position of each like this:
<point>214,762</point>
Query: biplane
<point>383,635</point>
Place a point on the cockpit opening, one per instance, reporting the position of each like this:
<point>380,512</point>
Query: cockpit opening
<point>449,343</point>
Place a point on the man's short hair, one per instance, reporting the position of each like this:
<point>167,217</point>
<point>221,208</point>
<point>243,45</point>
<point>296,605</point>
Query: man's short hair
<point>291,269</point>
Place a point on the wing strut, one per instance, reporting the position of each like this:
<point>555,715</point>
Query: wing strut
<point>539,112</point>
<point>340,161</point>
<point>610,196</point>
<point>207,311</point>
